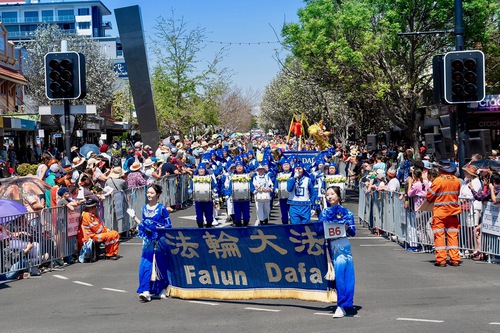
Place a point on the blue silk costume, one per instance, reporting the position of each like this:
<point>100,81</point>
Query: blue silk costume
<point>340,251</point>
<point>151,221</point>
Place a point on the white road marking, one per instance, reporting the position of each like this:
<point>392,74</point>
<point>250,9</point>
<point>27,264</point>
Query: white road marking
<point>60,277</point>
<point>260,309</point>
<point>117,290</point>
<point>421,320</point>
<point>323,314</point>
<point>83,283</point>
<point>493,323</point>
<point>374,245</point>
<point>368,237</point>
<point>190,217</point>
<point>205,303</point>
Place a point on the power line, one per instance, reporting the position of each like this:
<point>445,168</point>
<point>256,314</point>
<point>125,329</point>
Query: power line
<point>240,43</point>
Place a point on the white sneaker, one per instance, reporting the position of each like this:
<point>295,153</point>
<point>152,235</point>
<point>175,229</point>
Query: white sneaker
<point>163,294</point>
<point>339,313</point>
<point>145,296</point>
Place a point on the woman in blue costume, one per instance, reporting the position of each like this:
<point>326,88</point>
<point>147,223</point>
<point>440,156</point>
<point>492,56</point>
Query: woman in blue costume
<point>340,250</point>
<point>154,215</point>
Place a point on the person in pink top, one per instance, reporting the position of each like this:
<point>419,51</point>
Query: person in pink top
<point>416,227</point>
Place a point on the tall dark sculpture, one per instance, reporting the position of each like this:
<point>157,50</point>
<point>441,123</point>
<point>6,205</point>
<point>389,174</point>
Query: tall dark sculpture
<point>129,24</point>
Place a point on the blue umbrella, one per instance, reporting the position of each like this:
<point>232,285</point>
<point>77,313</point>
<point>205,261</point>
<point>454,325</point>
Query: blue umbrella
<point>86,148</point>
<point>10,210</point>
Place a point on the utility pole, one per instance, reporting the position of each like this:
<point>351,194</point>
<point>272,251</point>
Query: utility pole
<point>461,114</point>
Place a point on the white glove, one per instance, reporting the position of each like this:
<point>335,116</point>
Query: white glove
<point>131,212</point>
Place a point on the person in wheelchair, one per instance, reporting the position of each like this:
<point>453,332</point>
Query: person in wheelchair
<point>94,228</point>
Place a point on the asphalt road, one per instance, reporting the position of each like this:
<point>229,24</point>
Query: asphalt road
<point>396,291</point>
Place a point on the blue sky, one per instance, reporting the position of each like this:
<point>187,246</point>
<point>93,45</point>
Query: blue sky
<point>233,21</point>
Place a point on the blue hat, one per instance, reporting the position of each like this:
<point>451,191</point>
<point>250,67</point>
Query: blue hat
<point>285,161</point>
<point>250,152</point>
<point>238,163</point>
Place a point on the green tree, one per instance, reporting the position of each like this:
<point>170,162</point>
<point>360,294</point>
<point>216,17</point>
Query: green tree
<point>185,95</point>
<point>352,47</point>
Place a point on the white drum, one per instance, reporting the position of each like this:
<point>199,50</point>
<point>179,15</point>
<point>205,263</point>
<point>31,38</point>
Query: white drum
<point>241,191</point>
<point>282,192</point>
<point>263,197</point>
<point>202,188</point>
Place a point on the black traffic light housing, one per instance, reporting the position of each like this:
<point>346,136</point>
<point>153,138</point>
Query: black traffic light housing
<point>464,78</point>
<point>65,75</point>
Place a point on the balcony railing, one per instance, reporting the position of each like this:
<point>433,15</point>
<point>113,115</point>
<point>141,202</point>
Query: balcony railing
<point>66,18</point>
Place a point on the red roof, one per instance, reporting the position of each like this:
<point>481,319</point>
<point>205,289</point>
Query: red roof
<point>12,74</point>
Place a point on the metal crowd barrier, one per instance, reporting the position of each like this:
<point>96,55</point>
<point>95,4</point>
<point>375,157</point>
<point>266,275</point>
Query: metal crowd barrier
<point>53,231</point>
<point>384,213</point>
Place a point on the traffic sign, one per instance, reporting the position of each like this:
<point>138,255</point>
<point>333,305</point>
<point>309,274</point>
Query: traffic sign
<point>59,109</point>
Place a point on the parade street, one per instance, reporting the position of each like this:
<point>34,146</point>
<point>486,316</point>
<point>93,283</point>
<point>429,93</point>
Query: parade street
<point>396,291</point>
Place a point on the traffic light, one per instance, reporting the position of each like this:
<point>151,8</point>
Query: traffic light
<point>65,75</point>
<point>464,77</point>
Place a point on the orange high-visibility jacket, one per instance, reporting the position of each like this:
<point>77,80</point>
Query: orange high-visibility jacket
<point>444,194</point>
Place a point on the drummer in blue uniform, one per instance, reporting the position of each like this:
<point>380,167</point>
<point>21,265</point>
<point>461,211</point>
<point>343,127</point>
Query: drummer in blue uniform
<point>204,209</point>
<point>241,204</point>
<point>300,187</point>
<point>283,176</point>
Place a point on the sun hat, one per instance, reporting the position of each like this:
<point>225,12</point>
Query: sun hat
<point>116,173</point>
<point>446,166</point>
<point>77,161</point>
<point>380,174</point>
<point>135,166</point>
<point>427,164</point>
<point>138,144</point>
<point>179,145</point>
<point>204,144</point>
<point>195,145</point>
<point>55,168</point>
<point>471,170</point>
<point>92,162</point>
<point>392,171</point>
<point>74,148</point>
<point>148,162</point>
<point>261,167</point>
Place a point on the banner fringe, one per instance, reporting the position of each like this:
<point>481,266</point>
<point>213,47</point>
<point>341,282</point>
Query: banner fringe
<point>245,294</point>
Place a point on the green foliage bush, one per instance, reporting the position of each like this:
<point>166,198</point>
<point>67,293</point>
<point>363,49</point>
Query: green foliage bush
<point>27,169</point>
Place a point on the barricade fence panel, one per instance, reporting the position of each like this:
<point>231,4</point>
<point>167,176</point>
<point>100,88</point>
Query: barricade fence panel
<point>385,213</point>
<point>36,238</point>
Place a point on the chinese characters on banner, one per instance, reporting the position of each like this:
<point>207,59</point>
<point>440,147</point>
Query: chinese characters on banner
<point>282,261</point>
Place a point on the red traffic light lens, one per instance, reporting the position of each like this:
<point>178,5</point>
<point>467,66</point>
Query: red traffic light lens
<point>54,64</point>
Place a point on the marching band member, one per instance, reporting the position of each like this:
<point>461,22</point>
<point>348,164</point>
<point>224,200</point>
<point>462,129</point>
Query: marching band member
<point>263,186</point>
<point>241,203</point>
<point>300,187</point>
<point>204,209</point>
<point>282,193</point>
<point>226,191</point>
<point>319,176</point>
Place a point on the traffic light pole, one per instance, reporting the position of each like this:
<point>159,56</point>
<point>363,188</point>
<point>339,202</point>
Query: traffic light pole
<point>461,114</point>
<point>67,132</point>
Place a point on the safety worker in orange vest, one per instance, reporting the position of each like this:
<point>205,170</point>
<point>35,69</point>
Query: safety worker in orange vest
<point>445,224</point>
<point>95,229</point>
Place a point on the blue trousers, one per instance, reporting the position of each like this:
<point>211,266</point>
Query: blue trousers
<point>204,208</point>
<point>241,208</point>
<point>300,214</point>
<point>340,251</point>
<point>146,269</point>
<point>284,208</point>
